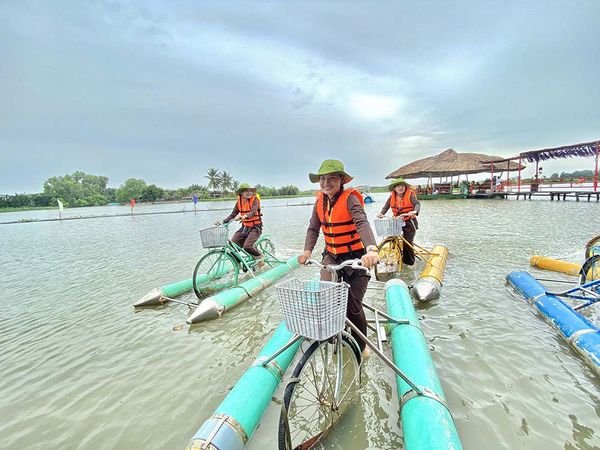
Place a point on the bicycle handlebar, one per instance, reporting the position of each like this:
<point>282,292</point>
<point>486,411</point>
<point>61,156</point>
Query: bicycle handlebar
<point>400,217</point>
<point>352,263</point>
<point>222,224</point>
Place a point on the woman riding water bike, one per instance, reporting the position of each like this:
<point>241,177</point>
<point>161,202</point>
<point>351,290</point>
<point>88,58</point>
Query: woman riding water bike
<point>405,206</point>
<point>340,214</point>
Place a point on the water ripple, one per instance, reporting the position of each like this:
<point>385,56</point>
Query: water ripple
<point>80,368</point>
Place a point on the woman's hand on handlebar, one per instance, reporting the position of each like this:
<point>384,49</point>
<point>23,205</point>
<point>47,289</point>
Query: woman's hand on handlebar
<point>304,257</point>
<point>370,258</point>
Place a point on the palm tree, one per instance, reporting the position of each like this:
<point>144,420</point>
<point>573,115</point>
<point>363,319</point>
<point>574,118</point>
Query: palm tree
<point>214,179</point>
<point>235,185</point>
<point>226,180</point>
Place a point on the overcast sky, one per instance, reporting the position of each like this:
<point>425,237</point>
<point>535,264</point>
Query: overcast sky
<point>267,90</point>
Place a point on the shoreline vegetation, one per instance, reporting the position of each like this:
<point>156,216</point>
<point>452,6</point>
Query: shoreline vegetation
<point>160,202</point>
<point>82,190</point>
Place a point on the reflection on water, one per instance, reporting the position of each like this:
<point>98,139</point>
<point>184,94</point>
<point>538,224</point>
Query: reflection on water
<point>80,368</point>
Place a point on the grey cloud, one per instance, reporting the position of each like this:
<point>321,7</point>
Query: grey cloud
<point>105,87</point>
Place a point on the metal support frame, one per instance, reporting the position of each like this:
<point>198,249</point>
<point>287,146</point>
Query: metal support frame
<point>590,288</point>
<point>385,359</point>
<point>181,302</point>
<point>267,359</point>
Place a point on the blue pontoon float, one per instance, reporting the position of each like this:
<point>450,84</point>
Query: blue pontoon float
<point>577,330</point>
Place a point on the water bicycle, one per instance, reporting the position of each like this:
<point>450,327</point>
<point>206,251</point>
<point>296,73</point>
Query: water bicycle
<point>564,309</point>
<point>220,267</point>
<point>327,376</point>
<point>428,285</point>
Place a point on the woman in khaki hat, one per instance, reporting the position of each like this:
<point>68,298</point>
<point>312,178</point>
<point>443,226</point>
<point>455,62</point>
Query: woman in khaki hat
<point>405,206</point>
<point>339,213</point>
<point>247,211</point>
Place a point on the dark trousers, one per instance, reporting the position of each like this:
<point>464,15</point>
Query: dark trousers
<point>408,253</point>
<point>358,280</point>
<point>246,238</point>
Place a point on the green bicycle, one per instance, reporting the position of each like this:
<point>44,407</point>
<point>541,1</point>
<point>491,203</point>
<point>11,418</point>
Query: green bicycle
<point>220,267</point>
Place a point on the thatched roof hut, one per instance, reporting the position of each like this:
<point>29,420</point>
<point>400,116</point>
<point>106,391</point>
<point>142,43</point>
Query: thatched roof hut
<point>450,163</point>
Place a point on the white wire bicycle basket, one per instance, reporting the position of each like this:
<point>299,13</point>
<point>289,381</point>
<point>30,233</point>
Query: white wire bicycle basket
<point>312,308</point>
<point>214,237</point>
<point>389,227</point>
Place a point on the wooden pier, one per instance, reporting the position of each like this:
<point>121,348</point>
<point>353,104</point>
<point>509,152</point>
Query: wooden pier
<point>557,195</point>
<point>486,195</point>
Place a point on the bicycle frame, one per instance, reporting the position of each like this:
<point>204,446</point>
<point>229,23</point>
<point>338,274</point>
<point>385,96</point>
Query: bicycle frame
<point>377,348</point>
<point>245,259</point>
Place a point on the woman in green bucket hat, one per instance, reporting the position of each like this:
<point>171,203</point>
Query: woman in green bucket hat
<point>339,213</point>
<point>405,206</point>
<point>247,211</point>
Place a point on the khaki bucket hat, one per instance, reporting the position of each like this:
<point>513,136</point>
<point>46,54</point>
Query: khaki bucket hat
<point>395,182</point>
<point>243,187</point>
<point>330,166</point>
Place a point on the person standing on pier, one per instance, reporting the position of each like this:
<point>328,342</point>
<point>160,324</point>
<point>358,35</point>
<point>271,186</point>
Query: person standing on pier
<point>247,211</point>
<point>405,206</point>
<point>339,213</point>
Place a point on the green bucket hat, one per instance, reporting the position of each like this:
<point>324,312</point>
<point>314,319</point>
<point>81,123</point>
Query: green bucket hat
<point>243,187</point>
<point>395,182</point>
<point>330,166</point>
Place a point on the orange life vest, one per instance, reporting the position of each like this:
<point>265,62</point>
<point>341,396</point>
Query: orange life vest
<point>401,205</point>
<point>245,206</point>
<point>341,235</point>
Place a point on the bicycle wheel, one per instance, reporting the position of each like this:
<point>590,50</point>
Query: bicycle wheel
<point>390,259</point>
<point>323,384</point>
<point>214,271</point>
<point>592,247</point>
<point>266,247</point>
<point>590,270</point>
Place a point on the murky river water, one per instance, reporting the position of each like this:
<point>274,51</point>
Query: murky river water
<point>80,368</point>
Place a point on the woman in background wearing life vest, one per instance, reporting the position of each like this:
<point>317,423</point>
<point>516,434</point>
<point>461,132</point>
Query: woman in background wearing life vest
<point>339,213</point>
<point>405,206</point>
<point>247,211</point>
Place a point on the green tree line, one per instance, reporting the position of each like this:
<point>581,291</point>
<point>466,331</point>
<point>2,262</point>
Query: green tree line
<point>82,189</point>
<point>578,174</point>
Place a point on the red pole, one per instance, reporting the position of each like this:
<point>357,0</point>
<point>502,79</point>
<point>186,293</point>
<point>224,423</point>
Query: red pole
<point>519,176</point>
<point>492,179</point>
<point>596,171</point>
